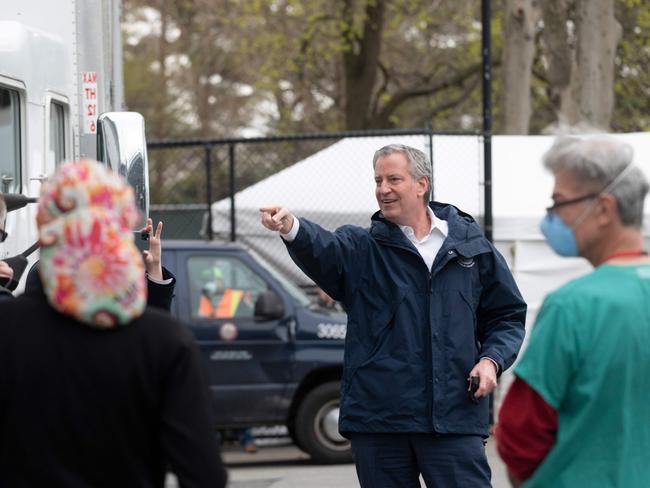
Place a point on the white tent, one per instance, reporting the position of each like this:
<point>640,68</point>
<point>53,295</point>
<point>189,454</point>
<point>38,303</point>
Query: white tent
<point>336,186</point>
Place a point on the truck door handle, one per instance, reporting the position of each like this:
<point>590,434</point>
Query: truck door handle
<point>291,327</point>
<point>6,180</point>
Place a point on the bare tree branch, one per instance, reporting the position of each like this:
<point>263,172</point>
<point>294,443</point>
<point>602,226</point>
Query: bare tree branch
<point>381,90</point>
<point>423,91</point>
<point>441,107</point>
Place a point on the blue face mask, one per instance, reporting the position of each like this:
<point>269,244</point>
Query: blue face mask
<point>559,235</point>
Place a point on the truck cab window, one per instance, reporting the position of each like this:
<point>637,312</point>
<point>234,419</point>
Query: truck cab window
<point>9,140</point>
<point>223,287</point>
<point>57,133</point>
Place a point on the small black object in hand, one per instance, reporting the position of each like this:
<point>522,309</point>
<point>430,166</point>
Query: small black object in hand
<point>144,235</point>
<point>472,386</point>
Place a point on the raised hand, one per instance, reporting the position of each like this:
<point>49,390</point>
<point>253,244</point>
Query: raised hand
<point>152,257</point>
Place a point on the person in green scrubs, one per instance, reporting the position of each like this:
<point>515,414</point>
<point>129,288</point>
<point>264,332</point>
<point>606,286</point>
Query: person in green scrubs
<point>578,413</point>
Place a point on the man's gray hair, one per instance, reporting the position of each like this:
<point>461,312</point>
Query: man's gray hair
<point>419,164</point>
<point>598,163</point>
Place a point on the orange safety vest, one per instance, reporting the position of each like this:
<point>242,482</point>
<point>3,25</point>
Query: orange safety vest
<point>226,307</point>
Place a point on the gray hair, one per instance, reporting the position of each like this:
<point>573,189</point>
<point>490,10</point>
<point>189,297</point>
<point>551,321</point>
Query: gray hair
<point>603,163</point>
<point>419,164</point>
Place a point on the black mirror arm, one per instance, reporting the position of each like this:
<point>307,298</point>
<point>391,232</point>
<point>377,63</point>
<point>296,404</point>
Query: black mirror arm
<point>27,252</point>
<point>14,201</point>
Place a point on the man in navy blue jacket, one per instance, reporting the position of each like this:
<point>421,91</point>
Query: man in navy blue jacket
<point>430,303</point>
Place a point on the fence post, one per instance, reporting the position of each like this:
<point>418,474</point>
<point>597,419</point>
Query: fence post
<point>233,228</point>
<point>486,34</point>
<point>208,192</point>
<point>431,186</point>
<point>487,115</point>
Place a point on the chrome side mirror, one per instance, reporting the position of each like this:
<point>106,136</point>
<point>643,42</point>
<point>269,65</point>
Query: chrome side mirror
<point>122,146</point>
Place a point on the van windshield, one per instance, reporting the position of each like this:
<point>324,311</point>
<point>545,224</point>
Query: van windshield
<point>296,293</point>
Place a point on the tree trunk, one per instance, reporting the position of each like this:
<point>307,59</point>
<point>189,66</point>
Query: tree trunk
<point>360,63</point>
<point>162,61</point>
<point>598,35</point>
<point>160,129</point>
<point>559,52</point>
<point>581,67</point>
<point>521,17</point>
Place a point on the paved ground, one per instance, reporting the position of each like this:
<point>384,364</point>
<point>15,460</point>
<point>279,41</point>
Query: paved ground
<point>287,467</point>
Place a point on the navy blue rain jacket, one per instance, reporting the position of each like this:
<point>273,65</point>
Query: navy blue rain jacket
<point>414,334</point>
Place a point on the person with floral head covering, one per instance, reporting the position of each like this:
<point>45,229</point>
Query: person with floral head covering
<point>96,389</point>
<point>89,266</point>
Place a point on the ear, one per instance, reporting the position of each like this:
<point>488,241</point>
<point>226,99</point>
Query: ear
<point>422,186</point>
<point>607,209</point>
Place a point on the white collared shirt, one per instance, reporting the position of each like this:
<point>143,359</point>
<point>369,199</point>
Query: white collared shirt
<point>430,244</point>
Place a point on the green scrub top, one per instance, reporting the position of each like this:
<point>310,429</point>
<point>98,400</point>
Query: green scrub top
<point>589,358</point>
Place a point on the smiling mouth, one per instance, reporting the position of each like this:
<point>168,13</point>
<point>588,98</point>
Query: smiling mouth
<point>388,202</point>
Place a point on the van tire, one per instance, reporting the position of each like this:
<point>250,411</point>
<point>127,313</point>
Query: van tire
<point>292,433</point>
<point>316,426</point>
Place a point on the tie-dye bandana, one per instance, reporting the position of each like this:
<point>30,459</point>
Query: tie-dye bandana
<point>89,265</point>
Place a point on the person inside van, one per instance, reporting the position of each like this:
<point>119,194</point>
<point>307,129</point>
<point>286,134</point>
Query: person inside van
<point>219,299</point>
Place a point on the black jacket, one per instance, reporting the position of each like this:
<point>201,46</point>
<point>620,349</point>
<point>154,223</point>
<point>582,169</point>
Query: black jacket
<point>84,407</point>
<point>4,293</point>
<point>157,295</point>
<point>161,295</point>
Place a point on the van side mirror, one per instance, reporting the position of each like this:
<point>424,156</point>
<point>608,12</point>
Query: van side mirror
<point>269,306</point>
<point>122,146</point>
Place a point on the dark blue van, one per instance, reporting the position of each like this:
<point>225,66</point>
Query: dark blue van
<point>272,356</point>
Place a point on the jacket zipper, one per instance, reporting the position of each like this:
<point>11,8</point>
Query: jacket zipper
<point>430,397</point>
<point>430,372</point>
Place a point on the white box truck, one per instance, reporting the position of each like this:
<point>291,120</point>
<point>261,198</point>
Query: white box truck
<point>60,68</point>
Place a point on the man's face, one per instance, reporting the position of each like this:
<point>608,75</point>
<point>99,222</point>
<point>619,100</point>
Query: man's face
<point>576,215</point>
<point>399,195</point>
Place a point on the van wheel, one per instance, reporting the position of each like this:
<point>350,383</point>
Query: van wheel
<point>292,433</point>
<point>316,426</point>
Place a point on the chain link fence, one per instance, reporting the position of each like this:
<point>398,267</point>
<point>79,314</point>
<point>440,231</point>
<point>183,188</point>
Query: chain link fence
<point>213,189</point>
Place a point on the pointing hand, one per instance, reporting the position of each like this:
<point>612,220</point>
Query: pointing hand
<point>277,218</point>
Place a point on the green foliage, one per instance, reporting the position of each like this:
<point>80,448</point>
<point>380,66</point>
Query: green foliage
<point>291,55</point>
<point>236,67</point>
<point>632,86</point>
<point>291,52</point>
